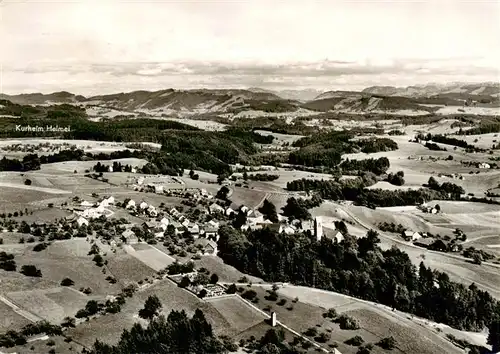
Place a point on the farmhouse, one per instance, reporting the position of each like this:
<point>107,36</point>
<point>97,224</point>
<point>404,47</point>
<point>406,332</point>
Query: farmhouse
<point>164,223</point>
<point>177,227</point>
<point>210,232</point>
<point>424,242</point>
<point>107,201</point>
<point>215,208</point>
<point>214,224</point>
<point>409,235</point>
<point>152,211</point>
<point>143,205</point>
<point>86,204</point>
<point>82,221</point>
<point>130,204</point>
<point>194,229</point>
<point>128,234</point>
<point>175,213</point>
<point>210,249</point>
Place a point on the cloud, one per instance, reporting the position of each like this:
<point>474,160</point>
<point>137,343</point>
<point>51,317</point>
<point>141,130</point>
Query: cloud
<point>100,78</point>
<point>327,68</point>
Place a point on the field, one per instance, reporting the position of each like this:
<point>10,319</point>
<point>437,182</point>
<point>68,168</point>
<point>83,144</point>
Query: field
<point>81,166</point>
<point>9,319</point>
<point>109,328</point>
<point>60,260</point>
<point>45,344</point>
<point>150,256</point>
<point>248,197</point>
<point>127,268</point>
<point>226,273</point>
<point>51,304</point>
<point>237,312</point>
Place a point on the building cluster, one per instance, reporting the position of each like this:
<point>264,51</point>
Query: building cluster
<point>89,210</point>
<point>159,184</point>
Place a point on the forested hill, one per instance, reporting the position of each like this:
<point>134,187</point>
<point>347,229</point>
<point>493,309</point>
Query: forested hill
<point>360,268</point>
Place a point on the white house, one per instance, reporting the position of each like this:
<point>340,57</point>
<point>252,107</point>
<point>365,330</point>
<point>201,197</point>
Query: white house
<point>82,221</point>
<point>140,180</point>
<point>215,208</point>
<point>130,204</point>
<point>211,232</point>
<point>407,235</point>
<point>128,234</point>
<point>194,229</point>
<point>255,220</point>
<point>110,169</point>
<point>286,229</point>
<point>164,223</point>
<point>159,234</point>
<point>158,189</point>
<point>416,236</point>
<point>174,212</point>
<point>337,236</point>
<point>211,248</point>
<point>229,211</point>
<point>484,165</point>
<point>143,205</point>
<point>152,211</point>
<point>86,204</point>
<point>214,223</point>
<point>185,223</point>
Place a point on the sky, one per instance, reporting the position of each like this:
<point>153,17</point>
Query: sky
<point>103,46</point>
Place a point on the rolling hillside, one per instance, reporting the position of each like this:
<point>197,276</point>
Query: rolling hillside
<point>254,102</point>
<point>455,90</point>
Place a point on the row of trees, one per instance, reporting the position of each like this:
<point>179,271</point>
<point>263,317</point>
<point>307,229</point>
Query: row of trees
<point>377,166</point>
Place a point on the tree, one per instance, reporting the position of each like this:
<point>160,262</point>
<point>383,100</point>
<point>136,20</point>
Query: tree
<point>388,343</point>
<point>185,282</point>
<point>296,210</point>
<point>68,322</point>
<point>98,260</point>
<point>152,307</point>
<point>331,313</point>
<point>231,289</point>
<point>433,184</point>
<point>31,271</point>
<point>27,182</point>
<point>67,282</point>
<point>323,337</point>
<point>214,278</point>
<point>494,334</point>
<point>240,220</point>
<point>201,279</point>
<point>177,333</point>
<point>222,193</point>
<point>268,209</point>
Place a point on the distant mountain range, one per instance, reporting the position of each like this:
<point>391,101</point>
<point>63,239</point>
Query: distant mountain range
<point>481,89</point>
<point>240,102</point>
